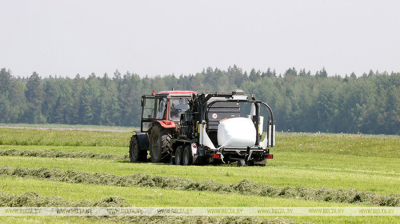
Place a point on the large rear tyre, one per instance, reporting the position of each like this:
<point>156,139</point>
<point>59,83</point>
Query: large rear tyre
<point>187,156</point>
<point>159,144</point>
<point>179,155</point>
<point>135,154</point>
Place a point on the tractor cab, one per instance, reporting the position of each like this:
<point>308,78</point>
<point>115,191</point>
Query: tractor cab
<point>164,108</point>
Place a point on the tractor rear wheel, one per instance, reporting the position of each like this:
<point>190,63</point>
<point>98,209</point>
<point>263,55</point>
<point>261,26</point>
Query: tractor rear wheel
<point>178,155</point>
<point>135,154</point>
<point>159,144</point>
<point>187,156</point>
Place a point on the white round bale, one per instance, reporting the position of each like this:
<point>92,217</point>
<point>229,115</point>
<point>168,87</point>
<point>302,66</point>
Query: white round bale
<point>236,132</point>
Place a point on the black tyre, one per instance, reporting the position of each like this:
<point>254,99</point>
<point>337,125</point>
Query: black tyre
<point>187,156</point>
<point>135,154</point>
<point>159,144</point>
<point>179,155</point>
<point>241,162</point>
<point>250,162</point>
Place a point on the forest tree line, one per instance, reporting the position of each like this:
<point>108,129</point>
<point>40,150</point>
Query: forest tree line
<point>301,101</point>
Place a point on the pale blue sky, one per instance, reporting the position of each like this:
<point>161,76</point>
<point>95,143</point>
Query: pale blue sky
<point>65,38</point>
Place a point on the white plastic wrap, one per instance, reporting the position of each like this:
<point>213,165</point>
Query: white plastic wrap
<point>236,132</point>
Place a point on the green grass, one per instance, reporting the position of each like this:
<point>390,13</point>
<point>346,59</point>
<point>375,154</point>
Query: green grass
<point>145,220</point>
<point>385,146</point>
<point>336,144</point>
<point>49,137</point>
<point>297,175</point>
<point>69,126</point>
<point>149,196</point>
<point>337,161</point>
<point>120,151</point>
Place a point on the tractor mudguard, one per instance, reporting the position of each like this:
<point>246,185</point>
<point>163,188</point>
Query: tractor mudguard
<point>166,124</point>
<point>143,140</point>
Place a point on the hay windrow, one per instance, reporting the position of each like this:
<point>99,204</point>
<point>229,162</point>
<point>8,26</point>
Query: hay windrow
<point>243,187</point>
<point>33,199</point>
<point>59,154</point>
<point>172,220</point>
<point>198,220</point>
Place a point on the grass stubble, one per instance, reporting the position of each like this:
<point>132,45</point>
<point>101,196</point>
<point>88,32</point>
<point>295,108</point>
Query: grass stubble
<point>243,187</point>
<point>358,146</point>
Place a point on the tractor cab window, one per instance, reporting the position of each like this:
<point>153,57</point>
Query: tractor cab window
<point>154,108</point>
<point>148,109</point>
<point>177,107</point>
<point>162,104</point>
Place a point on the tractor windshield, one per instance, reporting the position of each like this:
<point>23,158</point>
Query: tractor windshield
<point>177,107</point>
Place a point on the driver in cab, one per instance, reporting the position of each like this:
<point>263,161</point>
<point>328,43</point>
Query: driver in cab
<point>178,109</point>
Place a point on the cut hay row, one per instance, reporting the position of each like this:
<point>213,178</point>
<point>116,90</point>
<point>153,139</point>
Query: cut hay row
<point>59,154</point>
<point>200,220</point>
<point>33,199</point>
<point>244,187</point>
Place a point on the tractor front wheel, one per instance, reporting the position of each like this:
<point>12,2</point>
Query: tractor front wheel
<point>135,154</point>
<point>159,144</point>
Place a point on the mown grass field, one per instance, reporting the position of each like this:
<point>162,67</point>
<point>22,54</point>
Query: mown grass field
<point>333,161</point>
<point>68,126</point>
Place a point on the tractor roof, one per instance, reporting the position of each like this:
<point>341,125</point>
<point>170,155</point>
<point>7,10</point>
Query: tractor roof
<point>176,92</point>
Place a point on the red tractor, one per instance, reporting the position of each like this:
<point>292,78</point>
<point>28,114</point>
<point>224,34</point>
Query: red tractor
<point>185,128</point>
